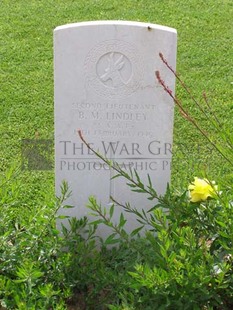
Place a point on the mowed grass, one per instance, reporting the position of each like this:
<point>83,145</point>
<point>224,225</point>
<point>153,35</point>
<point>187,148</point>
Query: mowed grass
<point>204,61</point>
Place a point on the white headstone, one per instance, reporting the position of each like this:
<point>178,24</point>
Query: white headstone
<point>105,86</point>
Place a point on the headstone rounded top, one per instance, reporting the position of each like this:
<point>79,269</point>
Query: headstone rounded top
<point>150,26</point>
<point>105,87</point>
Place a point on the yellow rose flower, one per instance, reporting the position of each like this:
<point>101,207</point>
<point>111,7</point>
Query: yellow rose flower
<point>201,189</point>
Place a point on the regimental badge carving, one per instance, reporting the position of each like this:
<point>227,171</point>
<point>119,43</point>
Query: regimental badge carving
<point>113,69</point>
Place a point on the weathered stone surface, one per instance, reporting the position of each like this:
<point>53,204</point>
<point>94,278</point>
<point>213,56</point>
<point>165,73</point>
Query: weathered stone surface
<point>105,86</point>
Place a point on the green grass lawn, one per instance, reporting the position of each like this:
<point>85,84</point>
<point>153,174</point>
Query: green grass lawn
<point>204,61</point>
<point>193,254</point>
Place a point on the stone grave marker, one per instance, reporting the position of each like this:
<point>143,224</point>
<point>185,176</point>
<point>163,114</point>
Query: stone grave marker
<point>105,86</point>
